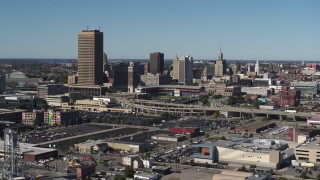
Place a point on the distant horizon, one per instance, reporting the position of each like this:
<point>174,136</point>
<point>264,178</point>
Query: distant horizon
<point>136,59</point>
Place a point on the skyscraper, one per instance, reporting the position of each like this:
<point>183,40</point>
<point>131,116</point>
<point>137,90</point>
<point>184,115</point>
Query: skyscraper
<point>182,69</point>
<point>220,66</point>
<point>156,62</point>
<point>90,57</point>
<point>127,76</point>
<point>257,68</point>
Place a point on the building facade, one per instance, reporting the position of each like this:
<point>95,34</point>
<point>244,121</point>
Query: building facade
<point>156,62</point>
<point>127,77</point>
<point>220,66</point>
<point>182,69</point>
<point>65,118</point>
<point>2,84</point>
<point>32,118</point>
<point>155,80</point>
<point>90,57</point>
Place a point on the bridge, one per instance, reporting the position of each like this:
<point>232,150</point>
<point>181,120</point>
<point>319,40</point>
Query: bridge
<point>156,107</point>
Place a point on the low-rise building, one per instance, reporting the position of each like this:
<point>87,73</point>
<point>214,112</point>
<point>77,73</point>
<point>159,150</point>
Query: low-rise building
<point>52,117</point>
<point>30,152</point>
<point>308,151</point>
<point>33,118</point>
<point>146,176</point>
<point>91,147</point>
<point>155,79</point>
<point>254,127</point>
<point>190,132</point>
<point>128,160</point>
<point>257,153</point>
<point>57,100</point>
<point>263,91</point>
<point>133,147</point>
<point>169,137</point>
<point>14,115</point>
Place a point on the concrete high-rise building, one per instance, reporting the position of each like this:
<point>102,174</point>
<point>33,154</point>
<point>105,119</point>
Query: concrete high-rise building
<point>156,62</point>
<point>2,84</point>
<point>182,69</point>
<point>220,66</point>
<point>90,57</point>
<point>257,68</point>
<point>127,77</point>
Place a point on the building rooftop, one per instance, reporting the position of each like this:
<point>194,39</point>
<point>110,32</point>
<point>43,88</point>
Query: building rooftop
<point>312,143</point>
<point>5,111</point>
<point>29,148</point>
<point>254,125</point>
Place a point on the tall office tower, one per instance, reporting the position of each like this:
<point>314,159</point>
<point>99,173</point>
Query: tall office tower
<point>220,66</point>
<point>182,69</point>
<point>127,76</point>
<point>156,62</point>
<point>2,83</point>
<point>90,57</point>
<point>257,68</point>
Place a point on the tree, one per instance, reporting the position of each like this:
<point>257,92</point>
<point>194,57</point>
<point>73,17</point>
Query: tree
<point>207,165</point>
<point>216,114</point>
<point>256,104</point>
<point>119,178</point>
<point>303,175</point>
<point>192,163</point>
<point>243,168</point>
<point>129,172</point>
<point>282,178</point>
<point>203,99</point>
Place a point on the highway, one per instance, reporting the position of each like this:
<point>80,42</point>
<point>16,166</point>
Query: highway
<point>156,107</point>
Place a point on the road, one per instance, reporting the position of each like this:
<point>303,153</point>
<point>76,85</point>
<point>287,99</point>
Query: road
<point>154,106</point>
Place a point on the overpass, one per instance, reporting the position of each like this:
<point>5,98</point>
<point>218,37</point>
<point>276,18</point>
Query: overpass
<point>155,107</point>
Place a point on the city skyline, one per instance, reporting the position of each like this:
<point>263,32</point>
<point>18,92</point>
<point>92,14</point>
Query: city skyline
<point>285,30</point>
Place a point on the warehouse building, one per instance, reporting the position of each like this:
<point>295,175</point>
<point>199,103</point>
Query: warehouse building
<point>252,153</point>
<point>30,152</point>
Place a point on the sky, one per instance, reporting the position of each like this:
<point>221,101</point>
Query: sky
<point>244,29</point>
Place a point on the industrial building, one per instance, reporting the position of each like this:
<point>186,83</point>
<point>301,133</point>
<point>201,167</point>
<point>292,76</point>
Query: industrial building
<point>254,128</point>
<point>133,147</point>
<point>91,147</point>
<point>190,132</point>
<point>14,115</point>
<point>32,153</point>
<point>257,153</point>
<point>169,137</point>
<point>308,151</point>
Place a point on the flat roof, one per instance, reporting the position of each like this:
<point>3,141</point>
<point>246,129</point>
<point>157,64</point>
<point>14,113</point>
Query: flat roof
<point>6,111</point>
<point>255,125</point>
<point>29,148</point>
<point>172,86</point>
<point>311,145</point>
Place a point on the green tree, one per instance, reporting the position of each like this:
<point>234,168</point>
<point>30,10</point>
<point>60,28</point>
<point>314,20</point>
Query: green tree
<point>129,172</point>
<point>204,99</point>
<point>119,178</point>
<point>192,163</point>
<point>282,178</point>
<point>216,114</point>
<point>243,168</point>
<point>256,104</point>
<point>303,175</point>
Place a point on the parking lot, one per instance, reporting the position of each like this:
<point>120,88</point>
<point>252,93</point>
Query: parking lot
<point>39,136</point>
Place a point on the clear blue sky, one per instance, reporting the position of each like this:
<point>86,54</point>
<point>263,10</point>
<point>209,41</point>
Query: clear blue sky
<point>247,29</point>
